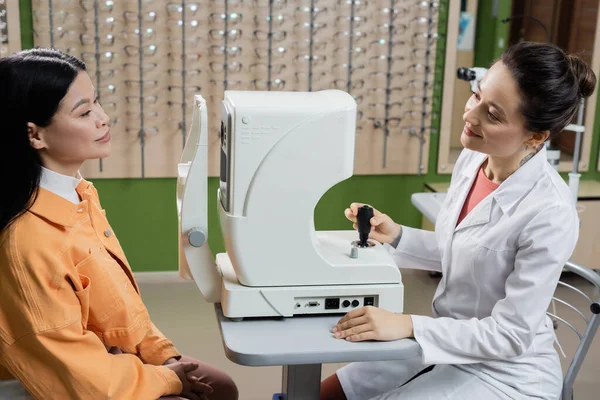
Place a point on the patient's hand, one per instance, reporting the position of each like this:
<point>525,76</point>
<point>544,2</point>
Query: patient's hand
<point>383,229</point>
<point>113,350</point>
<point>199,389</point>
<point>193,389</point>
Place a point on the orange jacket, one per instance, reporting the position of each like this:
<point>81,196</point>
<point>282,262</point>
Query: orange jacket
<point>67,294</point>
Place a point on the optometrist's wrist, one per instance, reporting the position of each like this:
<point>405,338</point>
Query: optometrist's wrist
<point>394,243</point>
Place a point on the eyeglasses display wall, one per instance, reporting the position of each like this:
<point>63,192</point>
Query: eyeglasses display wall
<point>147,58</point>
<point>3,30</point>
<point>10,31</point>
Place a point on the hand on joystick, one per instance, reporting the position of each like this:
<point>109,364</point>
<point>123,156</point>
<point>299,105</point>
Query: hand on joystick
<point>382,228</point>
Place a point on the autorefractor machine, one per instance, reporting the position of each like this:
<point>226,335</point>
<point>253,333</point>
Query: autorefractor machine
<point>280,152</point>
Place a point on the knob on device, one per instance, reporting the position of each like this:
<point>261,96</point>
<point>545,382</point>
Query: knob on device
<point>365,213</point>
<point>196,237</point>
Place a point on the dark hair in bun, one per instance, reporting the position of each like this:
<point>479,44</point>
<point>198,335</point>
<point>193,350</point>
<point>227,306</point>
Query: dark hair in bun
<point>551,83</point>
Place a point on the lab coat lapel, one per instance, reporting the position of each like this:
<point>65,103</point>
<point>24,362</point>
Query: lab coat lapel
<point>479,215</point>
<point>518,185</point>
<point>467,177</point>
<point>508,194</point>
<point>454,206</point>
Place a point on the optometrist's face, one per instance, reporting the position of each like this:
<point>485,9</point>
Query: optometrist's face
<point>494,124</point>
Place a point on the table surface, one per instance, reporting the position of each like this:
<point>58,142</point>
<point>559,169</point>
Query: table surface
<point>429,204</point>
<point>587,189</point>
<point>301,340</point>
<point>437,187</point>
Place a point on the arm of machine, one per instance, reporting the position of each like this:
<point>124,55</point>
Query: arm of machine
<point>192,208</point>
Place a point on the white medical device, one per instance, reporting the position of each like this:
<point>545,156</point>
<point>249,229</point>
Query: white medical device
<point>280,152</point>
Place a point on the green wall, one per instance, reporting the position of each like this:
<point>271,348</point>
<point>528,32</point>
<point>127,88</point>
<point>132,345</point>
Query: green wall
<point>143,212</point>
<point>492,34</point>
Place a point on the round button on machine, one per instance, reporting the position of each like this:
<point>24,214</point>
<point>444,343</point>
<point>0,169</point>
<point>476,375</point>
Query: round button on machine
<point>346,303</point>
<point>196,237</point>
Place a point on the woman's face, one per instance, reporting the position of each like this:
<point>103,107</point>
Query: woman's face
<point>78,131</point>
<point>493,123</point>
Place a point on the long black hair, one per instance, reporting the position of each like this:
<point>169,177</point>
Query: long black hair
<point>32,85</point>
<point>551,83</point>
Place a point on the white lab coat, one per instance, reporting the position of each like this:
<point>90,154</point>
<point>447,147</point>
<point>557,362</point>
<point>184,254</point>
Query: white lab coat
<point>500,268</point>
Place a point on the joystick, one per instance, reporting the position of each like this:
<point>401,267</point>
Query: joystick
<point>365,213</point>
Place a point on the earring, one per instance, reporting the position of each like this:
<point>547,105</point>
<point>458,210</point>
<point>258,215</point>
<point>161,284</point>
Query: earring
<point>526,147</point>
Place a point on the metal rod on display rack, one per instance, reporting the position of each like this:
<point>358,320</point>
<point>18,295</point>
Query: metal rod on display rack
<point>51,20</point>
<point>142,133</point>
<point>574,175</point>
<point>578,136</point>
<point>421,167</point>
<point>270,45</point>
<point>388,83</point>
<point>183,122</point>
<point>225,44</point>
<point>310,43</point>
<point>351,44</point>
<point>3,29</point>
<point>97,56</point>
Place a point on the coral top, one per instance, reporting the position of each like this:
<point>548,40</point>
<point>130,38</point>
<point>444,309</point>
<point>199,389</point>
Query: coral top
<point>480,189</point>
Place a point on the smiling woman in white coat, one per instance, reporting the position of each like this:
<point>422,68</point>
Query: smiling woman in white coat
<point>505,230</point>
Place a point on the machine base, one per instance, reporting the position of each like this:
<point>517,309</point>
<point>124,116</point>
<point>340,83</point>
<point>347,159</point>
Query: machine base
<point>240,301</point>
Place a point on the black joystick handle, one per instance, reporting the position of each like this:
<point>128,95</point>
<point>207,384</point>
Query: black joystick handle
<point>365,213</point>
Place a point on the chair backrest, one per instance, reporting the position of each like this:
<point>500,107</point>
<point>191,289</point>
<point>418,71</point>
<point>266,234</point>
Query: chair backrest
<point>592,321</point>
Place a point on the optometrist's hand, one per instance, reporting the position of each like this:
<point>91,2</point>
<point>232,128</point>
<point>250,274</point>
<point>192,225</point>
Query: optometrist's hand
<point>372,323</point>
<point>193,389</point>
<point>383,228</point>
